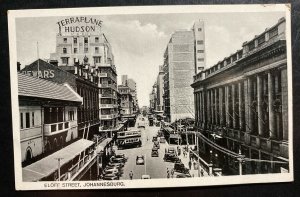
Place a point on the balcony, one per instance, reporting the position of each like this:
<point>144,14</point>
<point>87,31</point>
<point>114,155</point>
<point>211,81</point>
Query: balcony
<point>106,85</point>
<point>55,128</point>
<point>107,96</point>
<point>108,117</point>
<point>102,75</point>
<point>108,106</point>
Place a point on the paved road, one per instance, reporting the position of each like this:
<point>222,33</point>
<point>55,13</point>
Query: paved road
<point>154,166</point>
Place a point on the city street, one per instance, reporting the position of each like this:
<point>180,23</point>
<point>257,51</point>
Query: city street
<point>154,166</point>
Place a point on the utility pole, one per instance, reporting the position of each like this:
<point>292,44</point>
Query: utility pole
<point>58,160</point>
<point>240,159</point>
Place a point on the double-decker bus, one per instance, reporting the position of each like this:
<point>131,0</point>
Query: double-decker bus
<point>129,139</point>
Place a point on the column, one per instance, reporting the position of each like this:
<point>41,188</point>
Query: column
<point>227,106</point>
<point>217,114</point>
<point>259,106</point>
<point>212,106</point>
<point>284,103</point>
<point>241,116</point>
<point>196,107</point>
<point>208,108</point>
<point>221,105</point>
<point>248,102</point>
<point>204,103</point>
<point>270,105</point>
<point>234,123</point>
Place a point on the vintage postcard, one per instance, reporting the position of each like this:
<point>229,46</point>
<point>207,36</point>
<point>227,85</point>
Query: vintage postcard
<point>151,96</point>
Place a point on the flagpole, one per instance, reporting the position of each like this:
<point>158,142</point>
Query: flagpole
<point>38,62</point>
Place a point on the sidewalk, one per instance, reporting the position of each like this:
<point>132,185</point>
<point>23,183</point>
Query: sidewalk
<point>185,160</point>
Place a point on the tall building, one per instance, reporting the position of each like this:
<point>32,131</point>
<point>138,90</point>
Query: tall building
<point>153,98</point>
<point>131,84</point>
<point>160,89</point>
<point>199,43</point>
<point>179,70</point>
<point>89,54</point>
<point>241,104</point>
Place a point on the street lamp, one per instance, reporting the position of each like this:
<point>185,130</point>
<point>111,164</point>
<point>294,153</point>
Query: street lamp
<point>216,160</point>
<point>211,155</point>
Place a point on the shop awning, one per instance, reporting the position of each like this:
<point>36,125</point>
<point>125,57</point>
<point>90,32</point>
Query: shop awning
<point>103,144</point>
<point>49,164</point>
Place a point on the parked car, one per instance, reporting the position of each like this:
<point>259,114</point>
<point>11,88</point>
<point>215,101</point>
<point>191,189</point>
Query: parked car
<point>156,144</point>
<point>112,171</point>
<point>162,139</point>
<point>154,138</point>
<point>146,176</point>
<point>171,157</point>
<point>110,177</point>
<point>140,160</point>
<point>172,150</point>
<point>114,159</point>
<point>154,153</point>
<point>179,167</point>
<point>183,176</point>
<point>117,165</point>
<point>121,156</point>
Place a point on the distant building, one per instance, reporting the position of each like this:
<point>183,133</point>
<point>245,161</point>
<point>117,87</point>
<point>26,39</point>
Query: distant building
<point>179,71</point>
<point>89,54</point>
<point>131,84</point>
<point>160,89</point>
<point>48,116</point>
<point>199,44</point>
<point>242,105</point>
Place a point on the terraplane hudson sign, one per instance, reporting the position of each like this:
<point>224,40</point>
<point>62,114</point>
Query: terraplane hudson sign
<point>79,24</point>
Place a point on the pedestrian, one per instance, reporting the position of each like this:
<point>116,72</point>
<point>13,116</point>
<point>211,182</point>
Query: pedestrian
<point>172,172</point>
<point>131,175</point>
<point>190,164</point>
<point>168,173</point>
<point>202,172</point>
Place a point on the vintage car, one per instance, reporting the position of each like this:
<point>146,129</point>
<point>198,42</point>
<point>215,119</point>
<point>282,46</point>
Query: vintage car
<point>154,152</point>
<point>112,171</point>
<point>122,156</point>
<point>140,160</point>
<point>162,139</point>
<point>171,157</point>
<point>145,176</point>
<point>183,176</point>
<point>179,167</point>
<point>110,177</point>
<point>154,138</point>
<point>114,159</point>
<point>156,144</point>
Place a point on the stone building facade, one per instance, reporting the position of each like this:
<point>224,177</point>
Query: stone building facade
<point>241,104</point>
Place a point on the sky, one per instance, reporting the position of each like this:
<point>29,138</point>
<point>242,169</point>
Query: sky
<point>139,41</point>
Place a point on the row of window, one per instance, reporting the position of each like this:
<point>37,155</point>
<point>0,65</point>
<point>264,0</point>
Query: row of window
<point>86,40</point>
<point>262,39</point>
<point>75,50</point>
<point>65,60</point>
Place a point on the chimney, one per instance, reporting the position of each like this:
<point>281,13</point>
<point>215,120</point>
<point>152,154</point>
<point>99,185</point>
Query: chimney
<point>18,66</point>
<point>54,62</point>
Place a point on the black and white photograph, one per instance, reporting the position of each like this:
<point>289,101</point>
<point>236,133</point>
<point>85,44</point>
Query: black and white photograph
<point>151,96</point>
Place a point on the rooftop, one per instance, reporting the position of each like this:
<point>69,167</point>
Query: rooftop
<point>41,88</point>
